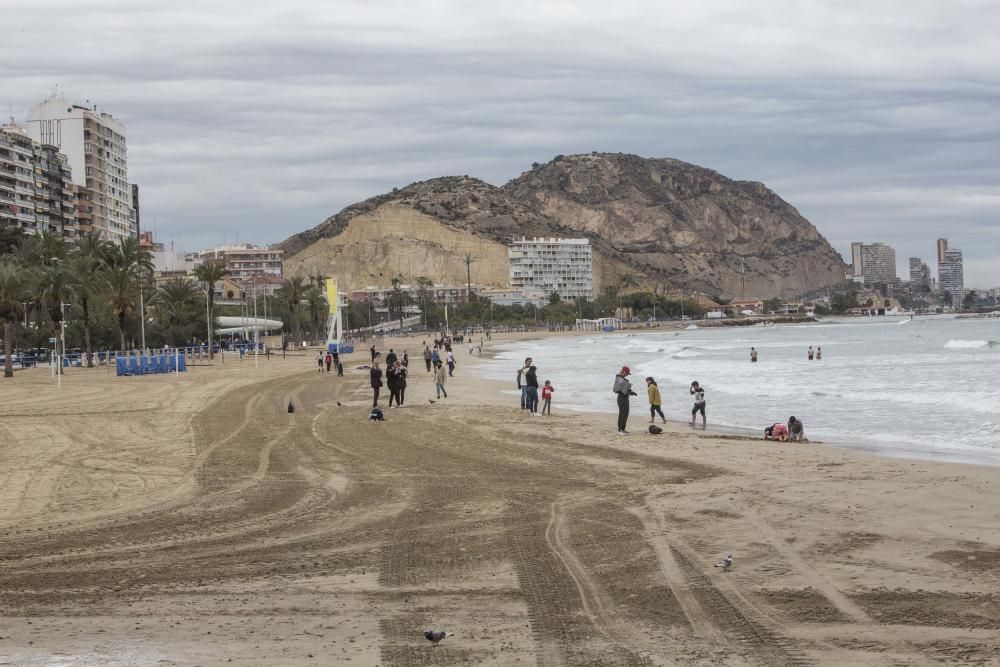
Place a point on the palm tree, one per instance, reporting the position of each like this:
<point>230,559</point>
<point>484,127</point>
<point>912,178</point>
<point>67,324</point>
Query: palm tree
<point>86,265</point>
<point>318,308</point>
<point>56,285</point>
<point>123,294</point>
<point>10,237</point>
<point>176,301</point>
<point>293,290</point>
<point>210,273</point>
<point>11,286</point>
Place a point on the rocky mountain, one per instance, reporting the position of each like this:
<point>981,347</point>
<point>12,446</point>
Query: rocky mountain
<point>660,224</point>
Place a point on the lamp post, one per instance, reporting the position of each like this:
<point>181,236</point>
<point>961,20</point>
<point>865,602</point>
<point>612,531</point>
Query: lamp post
<point>142,316</point>
<point>256,323</point>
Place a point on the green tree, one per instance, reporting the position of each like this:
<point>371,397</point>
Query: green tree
<point>210,273</point>
<point>11,293</point>
<point>969,302</point>
<point>56,285</point>
<point>86,265</point>
<point>772,305</point>
<point>317,310</point>
<point>293,291</point>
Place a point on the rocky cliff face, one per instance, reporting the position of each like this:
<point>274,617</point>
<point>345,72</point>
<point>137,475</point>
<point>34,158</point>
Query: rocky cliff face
<point>664,223</point>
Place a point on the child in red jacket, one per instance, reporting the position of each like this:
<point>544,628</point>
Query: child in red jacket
<point>547,398</point>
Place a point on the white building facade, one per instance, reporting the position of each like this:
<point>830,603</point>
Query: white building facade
<point>541,266</point>
<point>245,260</point>
<point>94,144</point>
<point>951,277</point>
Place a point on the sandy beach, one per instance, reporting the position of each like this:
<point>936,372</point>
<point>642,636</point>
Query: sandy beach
<point>190,520</point>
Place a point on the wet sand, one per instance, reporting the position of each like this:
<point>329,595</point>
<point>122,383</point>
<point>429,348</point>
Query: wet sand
<point>190,520</point>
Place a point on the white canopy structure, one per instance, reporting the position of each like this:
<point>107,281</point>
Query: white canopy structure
<point>244,325</point>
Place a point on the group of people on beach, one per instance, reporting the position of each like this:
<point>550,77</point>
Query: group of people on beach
<point>622,388</point>
<point>527,383</point>
<point>817,355</point>
<point>438,360</point>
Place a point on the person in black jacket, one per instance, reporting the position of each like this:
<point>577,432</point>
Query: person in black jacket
<point>376,374</point>
<point>390,382</point>
<point>401,372</point>
<point>531,381</point>
<point>390,359</point>
<point>623,389</point>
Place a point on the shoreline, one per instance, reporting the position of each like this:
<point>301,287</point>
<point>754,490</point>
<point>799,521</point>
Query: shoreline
<point>867,447</point>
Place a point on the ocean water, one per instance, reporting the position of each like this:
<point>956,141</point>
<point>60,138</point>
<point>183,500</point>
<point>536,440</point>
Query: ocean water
<point>926,388</point>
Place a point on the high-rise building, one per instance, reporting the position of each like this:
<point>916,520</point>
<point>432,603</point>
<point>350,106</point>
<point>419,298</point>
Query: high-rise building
<point>920,275</point>
<point>245,260</point>
<point>942,248</point>
<point>951,277</point>
<point>878,263</point>
<point>94,143</point>
<point>541,266</point>
<point>36,192</point>
<point>857,260</point>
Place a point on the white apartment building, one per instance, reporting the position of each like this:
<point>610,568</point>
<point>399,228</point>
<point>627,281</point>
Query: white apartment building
<point>94,143</point>
<point>245,260</point>
<point>951,277</point>
<point>36,192</point>
<point>541,266</point>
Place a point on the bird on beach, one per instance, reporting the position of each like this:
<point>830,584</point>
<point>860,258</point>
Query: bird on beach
<point>725,563</point>
<point>339,404</point>
<point>435,636</point>
<point>432,401</point>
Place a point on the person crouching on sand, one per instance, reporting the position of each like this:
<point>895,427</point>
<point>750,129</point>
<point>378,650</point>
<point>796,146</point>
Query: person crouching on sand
<point>776,431</point>
<point>623,389</point>
<point>654,401</point>
<point>796,431</point>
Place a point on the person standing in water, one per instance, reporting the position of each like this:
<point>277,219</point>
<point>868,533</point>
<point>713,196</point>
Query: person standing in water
<point>810,353</point>
<point>819,353</point>
<point>654,401</point>
<point>623,389</point>
<point>753,355</point>
<point>699,403</point>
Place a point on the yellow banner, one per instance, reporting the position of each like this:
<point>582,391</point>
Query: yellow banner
<point>331,295</point>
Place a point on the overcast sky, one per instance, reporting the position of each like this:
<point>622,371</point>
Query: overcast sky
<point>879,121</point>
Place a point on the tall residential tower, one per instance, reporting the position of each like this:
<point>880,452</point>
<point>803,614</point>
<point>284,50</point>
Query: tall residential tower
<point>94,144</point>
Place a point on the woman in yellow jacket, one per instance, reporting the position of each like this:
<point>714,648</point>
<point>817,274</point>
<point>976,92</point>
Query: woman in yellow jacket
<point>654,401</point>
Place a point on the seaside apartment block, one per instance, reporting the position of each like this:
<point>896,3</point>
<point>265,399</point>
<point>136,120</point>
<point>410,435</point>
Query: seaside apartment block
<point>920,275</point>
<point>873,264</point>
<point>540,267</point>
<point>94,144</point>
<point>244,260</point>
<point>36,189</point>
<point>951,276</point>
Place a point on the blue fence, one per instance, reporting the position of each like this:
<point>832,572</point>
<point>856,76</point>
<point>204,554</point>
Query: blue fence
<point>149,364</point>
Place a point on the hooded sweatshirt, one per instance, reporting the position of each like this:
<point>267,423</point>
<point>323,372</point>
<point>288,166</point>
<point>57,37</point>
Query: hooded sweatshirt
<point>622,386</point>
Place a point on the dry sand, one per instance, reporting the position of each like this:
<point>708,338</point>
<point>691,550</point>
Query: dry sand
<point>190,520</point>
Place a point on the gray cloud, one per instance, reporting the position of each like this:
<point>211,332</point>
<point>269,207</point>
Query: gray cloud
<point>878,121</point>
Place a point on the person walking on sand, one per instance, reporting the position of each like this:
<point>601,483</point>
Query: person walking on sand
<point>319,362</point>
<point>547,398</point>
<point>374,353</point>
<point>390,382</point>
<point>623,389</point>
<point>450,356</point>
<point>390,359</point>
<point>401,372</point>
<point>406,359</point>
<point>427,357</point>
<point>329,361</point>
<point>376,380</point>
<point>531,380</point>
<point>699,403</point>
<point>753,355</point>
<point>337,365</point>
<point>654,401</point>
<point>439,379</point>
<point>810,353</point>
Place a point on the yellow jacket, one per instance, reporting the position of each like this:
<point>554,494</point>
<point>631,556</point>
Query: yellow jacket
<point>654,394</point>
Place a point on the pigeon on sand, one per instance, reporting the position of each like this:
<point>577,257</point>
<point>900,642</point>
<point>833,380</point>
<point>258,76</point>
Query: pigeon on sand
<point>725,563</point>
<point>435,636</point>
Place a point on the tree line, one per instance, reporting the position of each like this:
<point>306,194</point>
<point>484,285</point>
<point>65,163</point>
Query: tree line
<point>105,294</point>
